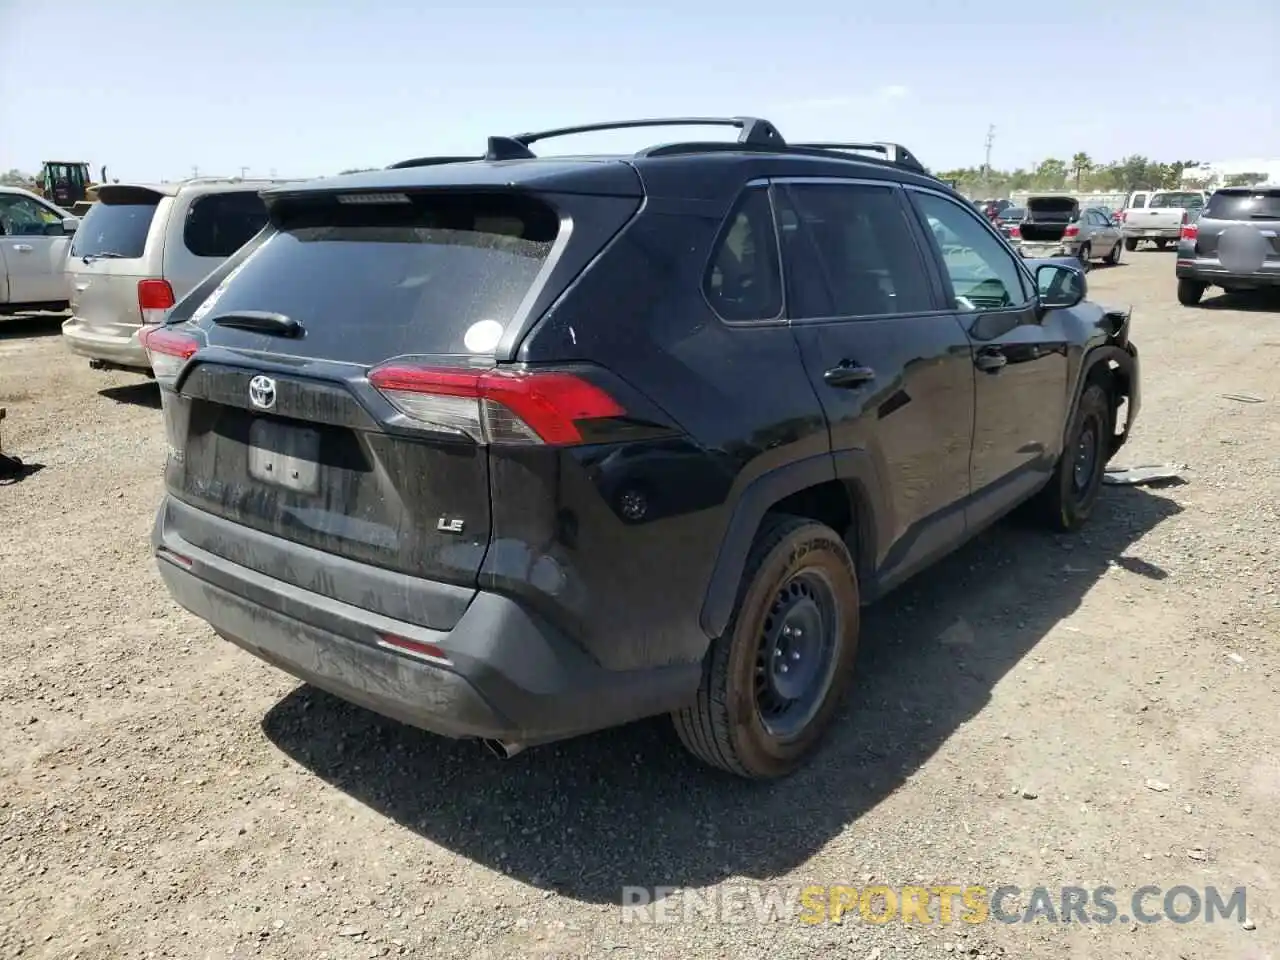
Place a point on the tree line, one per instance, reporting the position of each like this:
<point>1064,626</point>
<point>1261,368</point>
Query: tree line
<point>1081,173</point>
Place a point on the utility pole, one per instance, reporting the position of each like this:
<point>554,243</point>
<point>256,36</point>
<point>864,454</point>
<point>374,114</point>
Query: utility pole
<point>195,172</point>
<point>243,171</point>
<point>986,163</point>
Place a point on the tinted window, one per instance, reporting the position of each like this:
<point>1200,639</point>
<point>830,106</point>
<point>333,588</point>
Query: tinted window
<point>1140,201</point>
<point>1183,200</point>
<point>742,281</point>
<point>116,229</point>
<point>850,253</point>
<point>219,224</point>
<point>1014,213</point>
<point>1247,204</point>
<point>441,274</point>
<point>982,270</point>
<point>23,217</point>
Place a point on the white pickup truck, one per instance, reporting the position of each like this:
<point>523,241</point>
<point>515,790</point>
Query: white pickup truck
<point>1159,216</point>
<point>34,239</point>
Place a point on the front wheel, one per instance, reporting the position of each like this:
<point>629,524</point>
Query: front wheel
<point>1067,502</point>
<point>1113,258</point>
<point>772,682</point>
<point>1190,292</point>
<point>1131,244</point>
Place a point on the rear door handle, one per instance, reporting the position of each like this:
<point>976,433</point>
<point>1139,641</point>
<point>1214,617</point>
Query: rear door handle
<point>23,247</point>
<point>848,375</point>
<point>990,360</point>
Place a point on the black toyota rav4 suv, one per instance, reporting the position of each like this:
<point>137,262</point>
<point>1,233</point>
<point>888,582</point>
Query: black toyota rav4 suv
<point>516,448</point>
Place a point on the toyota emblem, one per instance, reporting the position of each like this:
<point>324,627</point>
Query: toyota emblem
<point>262,392</point>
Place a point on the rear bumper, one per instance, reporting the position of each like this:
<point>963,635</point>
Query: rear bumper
<point>118,349</point>
<point>1151,233</point>
<point>508,675</point>
<point>1211,271</point>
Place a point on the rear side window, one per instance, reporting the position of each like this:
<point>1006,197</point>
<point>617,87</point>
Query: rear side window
<point>1139,201</point>
<point>219,224</point>
<point>850,253</point>
<point>1250,204</point>
<point>116,227</point>
<point>743,280</point>
<point>440,274</point>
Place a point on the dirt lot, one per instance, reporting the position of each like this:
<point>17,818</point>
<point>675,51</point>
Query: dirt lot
<point>1102,710</point>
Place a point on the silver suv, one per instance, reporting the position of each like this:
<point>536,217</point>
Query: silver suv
<point>140,249</point>
<point>1234,245</point>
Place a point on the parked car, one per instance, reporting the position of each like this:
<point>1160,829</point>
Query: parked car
<point>140,249</point>
<point>1234,244</point>
<point>1055,226</point>
<point>520,448</point>
<point>1008,219</point>
<point>1162,219</point>
<point>34,235</point>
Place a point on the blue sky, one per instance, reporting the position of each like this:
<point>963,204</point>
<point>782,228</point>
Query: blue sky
<point>154,89</point>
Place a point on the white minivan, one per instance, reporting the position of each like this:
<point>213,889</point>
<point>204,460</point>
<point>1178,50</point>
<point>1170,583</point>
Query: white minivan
<point>140,249</point>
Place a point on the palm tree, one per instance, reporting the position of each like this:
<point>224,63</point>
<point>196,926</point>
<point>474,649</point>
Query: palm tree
<point>1080,165</point>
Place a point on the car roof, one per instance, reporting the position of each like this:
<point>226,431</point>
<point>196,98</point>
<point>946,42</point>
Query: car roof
<point>695,169</point>
<point>171,188</point>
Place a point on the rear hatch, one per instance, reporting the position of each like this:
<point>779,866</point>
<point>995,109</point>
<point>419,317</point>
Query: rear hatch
<point>1244,211</point>
<point>283,424</point>
<point>1046,218</point>
<point>109,255</point>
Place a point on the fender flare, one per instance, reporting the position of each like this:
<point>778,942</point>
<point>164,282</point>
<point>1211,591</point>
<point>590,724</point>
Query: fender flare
<point>757,498</point>
<point>1126,359</point>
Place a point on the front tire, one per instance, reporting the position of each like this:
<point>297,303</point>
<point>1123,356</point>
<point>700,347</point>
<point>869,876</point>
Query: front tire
<point>1190,292</point>
<point>1113,258</point>
<point>773,681</point>
<point>1068,500</point>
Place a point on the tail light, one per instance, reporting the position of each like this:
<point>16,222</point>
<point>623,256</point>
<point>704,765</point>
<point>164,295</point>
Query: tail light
<point>1015,232</point>
<point>155,298</point>
<point>1073,230</point>
<point>1190,231</point>
<point>496,406</point>
<point>167,350</point>
<point>1121,216</point>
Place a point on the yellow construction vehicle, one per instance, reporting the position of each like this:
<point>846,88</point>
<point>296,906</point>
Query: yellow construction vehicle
<point>67,183</point>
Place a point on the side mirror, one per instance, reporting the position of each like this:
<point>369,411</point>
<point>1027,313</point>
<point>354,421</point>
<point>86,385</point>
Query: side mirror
<point>1060,285</point>
<point>70,225</point>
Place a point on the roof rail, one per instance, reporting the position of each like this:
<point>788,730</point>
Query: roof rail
<point>893,152</point>
<point>430,162</point>
<point>754,130</point>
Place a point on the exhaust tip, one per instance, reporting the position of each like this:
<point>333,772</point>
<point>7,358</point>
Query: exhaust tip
<point>503,749</point>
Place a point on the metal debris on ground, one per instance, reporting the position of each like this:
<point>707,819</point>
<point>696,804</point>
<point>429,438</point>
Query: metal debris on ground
<point>1151,474</point>
<point>1242,398</point>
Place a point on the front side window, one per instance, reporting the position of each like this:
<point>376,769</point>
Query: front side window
<point>23,217</point>
<point>850,252</point>
<point>742,282</point>
<point>983,273</point>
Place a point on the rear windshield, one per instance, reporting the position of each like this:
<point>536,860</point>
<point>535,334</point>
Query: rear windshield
<point>368,281</point>
<point>116,228</point>
<point>1183,200</point>
<point>1244,205</point>
<point>1013,213</point>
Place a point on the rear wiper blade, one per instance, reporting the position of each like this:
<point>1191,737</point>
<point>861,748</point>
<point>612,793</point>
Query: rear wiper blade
<point>105,255</point>
<point>260,321</point>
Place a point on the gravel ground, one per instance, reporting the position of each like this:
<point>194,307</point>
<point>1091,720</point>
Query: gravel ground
<point>1035,711</point>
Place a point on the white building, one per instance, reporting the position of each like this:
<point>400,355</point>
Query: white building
<point>1218,170</point>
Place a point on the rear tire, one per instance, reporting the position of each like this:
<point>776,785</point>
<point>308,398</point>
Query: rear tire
<point>1190,292</point>
<point>773,681</point>
<point>1131,244</point>
<point>1113,258</point>
<point>1162,244</point>
<point>1068,501</point>
<point>1086,251</point>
